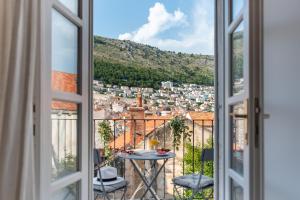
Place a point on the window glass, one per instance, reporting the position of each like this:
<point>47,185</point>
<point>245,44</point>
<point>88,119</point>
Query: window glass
<point>64,143</point>
<point>71,5</point>
<point>64,54</point>
<point>236,7</point>
<point>237,61</point>
<point>238,130</point>
<point>237,192</point>
<point>70,192</point>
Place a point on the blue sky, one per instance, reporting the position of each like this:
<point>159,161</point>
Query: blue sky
<point>176,25</point>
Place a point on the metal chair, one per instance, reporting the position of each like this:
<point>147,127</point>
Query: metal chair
<point>196,182</point>
<point>104,190</point>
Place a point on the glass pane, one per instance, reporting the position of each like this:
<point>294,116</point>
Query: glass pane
<point>64,54</point>
<point>237,192</point>
<point>238,130</point>
<point>71,5</point>
<point>236,7</point>
<point>237,61</point>
<point>64,138</point>
<point>70,192</point>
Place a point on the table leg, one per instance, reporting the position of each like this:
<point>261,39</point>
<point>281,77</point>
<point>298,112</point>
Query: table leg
<point>153,180</point>
<point>141,184</point>
<point>137,189</point>
<point>144,179</point>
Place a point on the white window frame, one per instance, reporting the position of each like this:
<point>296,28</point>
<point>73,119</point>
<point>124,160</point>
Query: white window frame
<point>44,95</point>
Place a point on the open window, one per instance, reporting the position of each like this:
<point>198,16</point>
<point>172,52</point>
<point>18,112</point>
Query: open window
<point>62,142</point>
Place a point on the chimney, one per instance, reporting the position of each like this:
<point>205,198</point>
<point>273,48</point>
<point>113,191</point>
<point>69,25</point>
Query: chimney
<point>139,99</point>
<point>137,124</point>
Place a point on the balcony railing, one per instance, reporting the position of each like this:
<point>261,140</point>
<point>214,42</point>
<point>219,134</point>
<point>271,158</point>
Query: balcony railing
<point>136,133</point>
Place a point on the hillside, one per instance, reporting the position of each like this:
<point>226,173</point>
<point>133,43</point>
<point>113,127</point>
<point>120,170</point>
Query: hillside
<point>129,63</point>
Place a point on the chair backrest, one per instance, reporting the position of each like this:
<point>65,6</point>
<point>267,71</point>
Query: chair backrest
<point>97,158</point>
<point>207,155</point>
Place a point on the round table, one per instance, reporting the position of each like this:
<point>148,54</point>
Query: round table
<point>147,156</point>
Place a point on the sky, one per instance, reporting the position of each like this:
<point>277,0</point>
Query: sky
<point>64,44</point>
<point>175,25</point>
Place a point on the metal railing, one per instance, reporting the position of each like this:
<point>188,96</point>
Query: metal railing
<point>141,130</point>
<point>64,143</point>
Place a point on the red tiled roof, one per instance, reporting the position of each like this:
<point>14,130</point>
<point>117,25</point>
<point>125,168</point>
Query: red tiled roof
<point>201,115</point>
<point>202,118</point>
<point>61,105</point>
<point>151,122</point>
<point>64,82</point>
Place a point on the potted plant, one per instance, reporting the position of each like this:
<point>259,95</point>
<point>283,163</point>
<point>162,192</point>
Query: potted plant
<point>179,129</point>
<point>106,134</point>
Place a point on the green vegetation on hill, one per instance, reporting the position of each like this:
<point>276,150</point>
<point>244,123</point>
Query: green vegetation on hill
<point>132,64</point>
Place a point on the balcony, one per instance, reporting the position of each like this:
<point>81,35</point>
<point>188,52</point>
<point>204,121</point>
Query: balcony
<point>137,134</point>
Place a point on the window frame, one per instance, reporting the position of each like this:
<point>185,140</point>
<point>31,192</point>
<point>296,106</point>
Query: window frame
<point>44,96</point>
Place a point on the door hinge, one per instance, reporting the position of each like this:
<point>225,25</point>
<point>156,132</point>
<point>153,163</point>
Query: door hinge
<point>34,119</point>
<point>33,130</point>
<point>247,138</point>
<point>257,114</point>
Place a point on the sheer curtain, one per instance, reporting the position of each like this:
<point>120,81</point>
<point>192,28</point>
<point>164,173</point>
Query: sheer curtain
<point>19,25</point>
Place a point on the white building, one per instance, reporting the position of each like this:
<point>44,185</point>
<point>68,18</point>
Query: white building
<point>167,84</point>
<point>116,107</point>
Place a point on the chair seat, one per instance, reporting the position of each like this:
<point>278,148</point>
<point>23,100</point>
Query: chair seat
<point>191,181</point>
<point>109,187</point>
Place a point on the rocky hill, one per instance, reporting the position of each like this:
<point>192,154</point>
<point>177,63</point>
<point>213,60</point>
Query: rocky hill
<point>128,63</point>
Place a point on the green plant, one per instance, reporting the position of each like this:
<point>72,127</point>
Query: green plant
<point>69,162</point>
<point>65,166</point>
<point>179,129</point>
<point>106,134</point>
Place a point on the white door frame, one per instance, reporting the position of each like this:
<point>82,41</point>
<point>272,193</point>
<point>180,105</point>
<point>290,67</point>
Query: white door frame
<point>254,14</point>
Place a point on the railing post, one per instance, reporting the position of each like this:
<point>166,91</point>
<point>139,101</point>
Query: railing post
<point>114,121</point>
<point>134,133</point>
<point>58,141</point>
<point>124,146</point>
<point>164,166</point>
<point>144,134</point>
<point>183,147</point>
<point>94,132</point>
<point>212,133</point>
<point>193,146</point>
<point>202,135</point>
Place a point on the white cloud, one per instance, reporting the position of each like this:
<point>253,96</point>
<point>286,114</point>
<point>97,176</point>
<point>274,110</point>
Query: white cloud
<point>159,20</point>
<point>198,36</point>
<point>125,36</point>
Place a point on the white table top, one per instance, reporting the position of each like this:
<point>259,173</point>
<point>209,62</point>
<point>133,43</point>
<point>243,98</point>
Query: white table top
<point>146,155</point>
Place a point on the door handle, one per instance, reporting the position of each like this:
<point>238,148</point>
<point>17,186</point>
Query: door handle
<point>242,116</point>
<point>238,116</point>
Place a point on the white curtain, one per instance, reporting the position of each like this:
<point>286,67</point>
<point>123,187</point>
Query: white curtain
<point>19,48</point>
